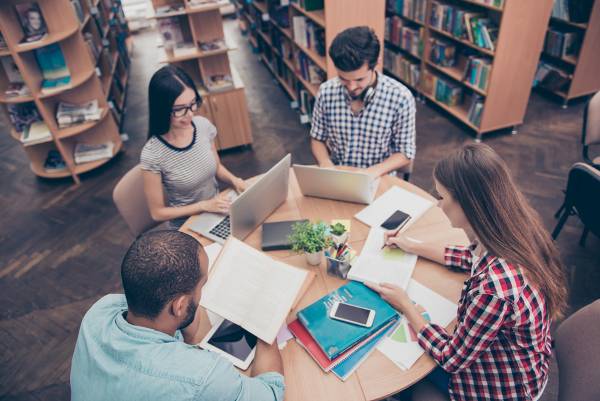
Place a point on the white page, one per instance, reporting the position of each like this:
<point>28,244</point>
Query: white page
<point>212,251</point>
<point>394,199</point>
<point>252,290</point>
<point>389,265</point>
<point>440,310</point>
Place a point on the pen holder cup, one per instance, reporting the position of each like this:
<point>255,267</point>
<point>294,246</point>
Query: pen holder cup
<point>337,268</point>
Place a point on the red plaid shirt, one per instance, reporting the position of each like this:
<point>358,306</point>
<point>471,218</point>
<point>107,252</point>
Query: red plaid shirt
<point>501,346</point>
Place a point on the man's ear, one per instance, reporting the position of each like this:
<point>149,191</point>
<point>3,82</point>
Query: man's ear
<point>179,306</point>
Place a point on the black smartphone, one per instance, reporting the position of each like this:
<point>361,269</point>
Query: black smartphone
<point>396,220</point>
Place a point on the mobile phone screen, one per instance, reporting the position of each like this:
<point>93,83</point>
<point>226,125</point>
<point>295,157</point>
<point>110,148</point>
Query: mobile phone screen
<point>395,220</point>
<point>353,313</point>
<point>234,340</point>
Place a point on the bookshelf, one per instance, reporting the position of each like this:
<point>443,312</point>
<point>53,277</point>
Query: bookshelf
<point>482,79</point>
<point>88,38</point>
<point>570,60</point>
<point>292,39</point>
<point>193,39</point>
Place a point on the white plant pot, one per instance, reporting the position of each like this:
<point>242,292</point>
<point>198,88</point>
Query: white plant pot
<point>339,239</point>
<point>314,259</point>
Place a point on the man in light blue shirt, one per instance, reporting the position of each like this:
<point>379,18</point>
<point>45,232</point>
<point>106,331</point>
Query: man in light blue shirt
<point>137,346</point>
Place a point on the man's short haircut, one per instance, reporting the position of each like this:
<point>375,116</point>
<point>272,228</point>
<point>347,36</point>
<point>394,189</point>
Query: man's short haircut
<point>354,47</point>
<point>159,266</point>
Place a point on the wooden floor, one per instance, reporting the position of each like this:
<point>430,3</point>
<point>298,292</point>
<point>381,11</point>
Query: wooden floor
<point>61,245</point>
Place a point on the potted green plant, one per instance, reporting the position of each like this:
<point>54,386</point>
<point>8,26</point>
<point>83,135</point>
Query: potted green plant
<point>310,238</point>
<point>339,235</point>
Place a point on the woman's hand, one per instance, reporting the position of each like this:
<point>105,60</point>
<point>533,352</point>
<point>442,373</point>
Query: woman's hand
<point>394,240</point>
<point>239,185</point>
<point>218,204</point>
<point>393,295</point>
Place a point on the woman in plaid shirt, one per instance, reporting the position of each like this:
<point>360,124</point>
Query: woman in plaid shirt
<point>501,346</point>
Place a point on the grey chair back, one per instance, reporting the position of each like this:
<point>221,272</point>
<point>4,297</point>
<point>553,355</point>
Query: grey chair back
<point>577,343</point>
<point>591,129</point>
<point>131,202</point>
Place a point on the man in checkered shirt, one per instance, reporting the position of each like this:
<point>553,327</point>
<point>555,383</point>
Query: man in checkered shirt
<point>362,118</point>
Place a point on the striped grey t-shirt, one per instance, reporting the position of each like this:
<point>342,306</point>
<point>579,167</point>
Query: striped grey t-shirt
<point>187,174</point>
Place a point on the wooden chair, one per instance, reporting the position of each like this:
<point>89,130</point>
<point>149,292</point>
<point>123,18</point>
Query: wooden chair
<point>130,200</point>
<point>582,199</point>
<point>577,344</point>
<point>590,134</point>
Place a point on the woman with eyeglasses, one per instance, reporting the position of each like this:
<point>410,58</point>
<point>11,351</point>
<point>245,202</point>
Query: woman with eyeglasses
<point>179,161</point>
<point>501,346</point>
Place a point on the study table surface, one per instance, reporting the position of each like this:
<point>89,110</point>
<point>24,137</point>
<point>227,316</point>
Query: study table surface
<point>377,377</point>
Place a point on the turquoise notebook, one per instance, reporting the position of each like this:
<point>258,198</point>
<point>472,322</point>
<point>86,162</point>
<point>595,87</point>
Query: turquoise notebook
<point>334,336</point>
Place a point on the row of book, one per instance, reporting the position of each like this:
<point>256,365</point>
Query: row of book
<point>475,110</point>
<point>306,102</point>
<point>442,90</point>
<point>551,78</point>
<point>411,9</point>
<point>82,153</point>
<point>406,70</point>
<point>403,36</point>
<point>477,71</point>
<point>577,11</point>
<point>442,52</point>
<point>308,34</point>
<point>562,43</point>
<point>309,70</point>
<point>337,346</point>
<point>476,28</point>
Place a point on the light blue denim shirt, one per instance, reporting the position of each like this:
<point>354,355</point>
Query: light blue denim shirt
<point>115,360</point>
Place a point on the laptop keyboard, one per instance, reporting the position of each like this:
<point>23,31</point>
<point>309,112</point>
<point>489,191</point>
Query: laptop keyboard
<point>223,229</point>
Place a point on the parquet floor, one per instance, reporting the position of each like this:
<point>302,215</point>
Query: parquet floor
<point>61,244</point>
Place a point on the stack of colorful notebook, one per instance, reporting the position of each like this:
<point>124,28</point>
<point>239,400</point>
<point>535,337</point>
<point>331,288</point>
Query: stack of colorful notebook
<point>338,346</point>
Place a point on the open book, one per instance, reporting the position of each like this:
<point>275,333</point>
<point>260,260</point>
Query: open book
<point>252,290</point>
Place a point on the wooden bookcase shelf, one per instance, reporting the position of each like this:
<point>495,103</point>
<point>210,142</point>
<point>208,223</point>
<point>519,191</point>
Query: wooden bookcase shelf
<point>581,68</point>
<point>512,62</point>
<point>270,31</point>
<point>101,24</point>
<point>225,107</point>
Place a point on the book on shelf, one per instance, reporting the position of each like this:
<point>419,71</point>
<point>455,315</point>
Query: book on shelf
<point>562,42</point>
<point>307,101</point>
<point>53,67</point>
<point>551,78</point>
<point>442,52</point>
<point>11,70</point>
<point>78,9</point>
<point>95,48</point>
<point>577,11</point>
<point>442,90</point>
<point>85,153</point>
<point>22,115</point>
<point>309,70</point>
<point>252,290</point>
<point>407,38</point>
<point>477,71</point>
<point>213,45</point>
<point>411,9</point>
<point>68,114</point>
<point>183,49</point>
<point>219,82</point>
<point>54,161</point>
<point>36,132</point>
<point>311,5</point>
<point>167,9</point>
<point>333,336</point>
<point>17,89</point>
<point>309,35</point>
<point>475,110</point>
<point>170,31</point>
<point>32,21</point>
<point>402,68</point>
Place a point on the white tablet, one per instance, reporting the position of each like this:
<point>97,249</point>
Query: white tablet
<point>231,341</point>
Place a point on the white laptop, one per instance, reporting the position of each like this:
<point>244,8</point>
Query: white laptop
<point>250,208</point>
<point>330,183</point>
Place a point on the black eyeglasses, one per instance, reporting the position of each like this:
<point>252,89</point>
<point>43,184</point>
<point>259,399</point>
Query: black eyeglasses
<point>181,111</point>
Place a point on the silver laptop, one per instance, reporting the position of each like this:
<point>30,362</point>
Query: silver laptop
<point>250,208</point>
<point>330,183</point>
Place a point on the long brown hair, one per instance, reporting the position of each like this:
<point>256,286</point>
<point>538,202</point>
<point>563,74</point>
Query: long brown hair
<point>501,217</point>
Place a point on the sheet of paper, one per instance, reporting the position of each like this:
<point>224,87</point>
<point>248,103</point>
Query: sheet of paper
<point>252,290</point>
<point>283,336</point>
<point>401,346</point>
<point>389,265</point>
<point>212,251</point>
<point>394,199</point>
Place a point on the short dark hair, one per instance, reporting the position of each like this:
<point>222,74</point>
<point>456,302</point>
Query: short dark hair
<point>159,266</point>
<point>165,87</point>
<point>354,47</point>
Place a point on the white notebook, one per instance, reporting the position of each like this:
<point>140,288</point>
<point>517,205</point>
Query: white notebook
<point>376,265</point>
<point>252,290</point>
<point>394,199</point>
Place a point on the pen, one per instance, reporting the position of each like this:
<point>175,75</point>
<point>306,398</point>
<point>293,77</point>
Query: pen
<point>396,231</point>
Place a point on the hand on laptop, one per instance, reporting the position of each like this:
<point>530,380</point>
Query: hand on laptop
<point>239,185</point>
<point>218,204</point>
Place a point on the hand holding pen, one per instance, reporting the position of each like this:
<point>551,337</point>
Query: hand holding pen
<point>393,239</point>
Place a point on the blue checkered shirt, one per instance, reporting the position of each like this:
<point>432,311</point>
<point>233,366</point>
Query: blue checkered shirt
<point>384,126</point>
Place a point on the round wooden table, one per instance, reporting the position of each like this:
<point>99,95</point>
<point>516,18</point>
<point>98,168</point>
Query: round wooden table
<point>377,377</point>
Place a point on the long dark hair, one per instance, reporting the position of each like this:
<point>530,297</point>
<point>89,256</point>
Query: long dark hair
<point>165,87</point>
<point>504,222</point>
